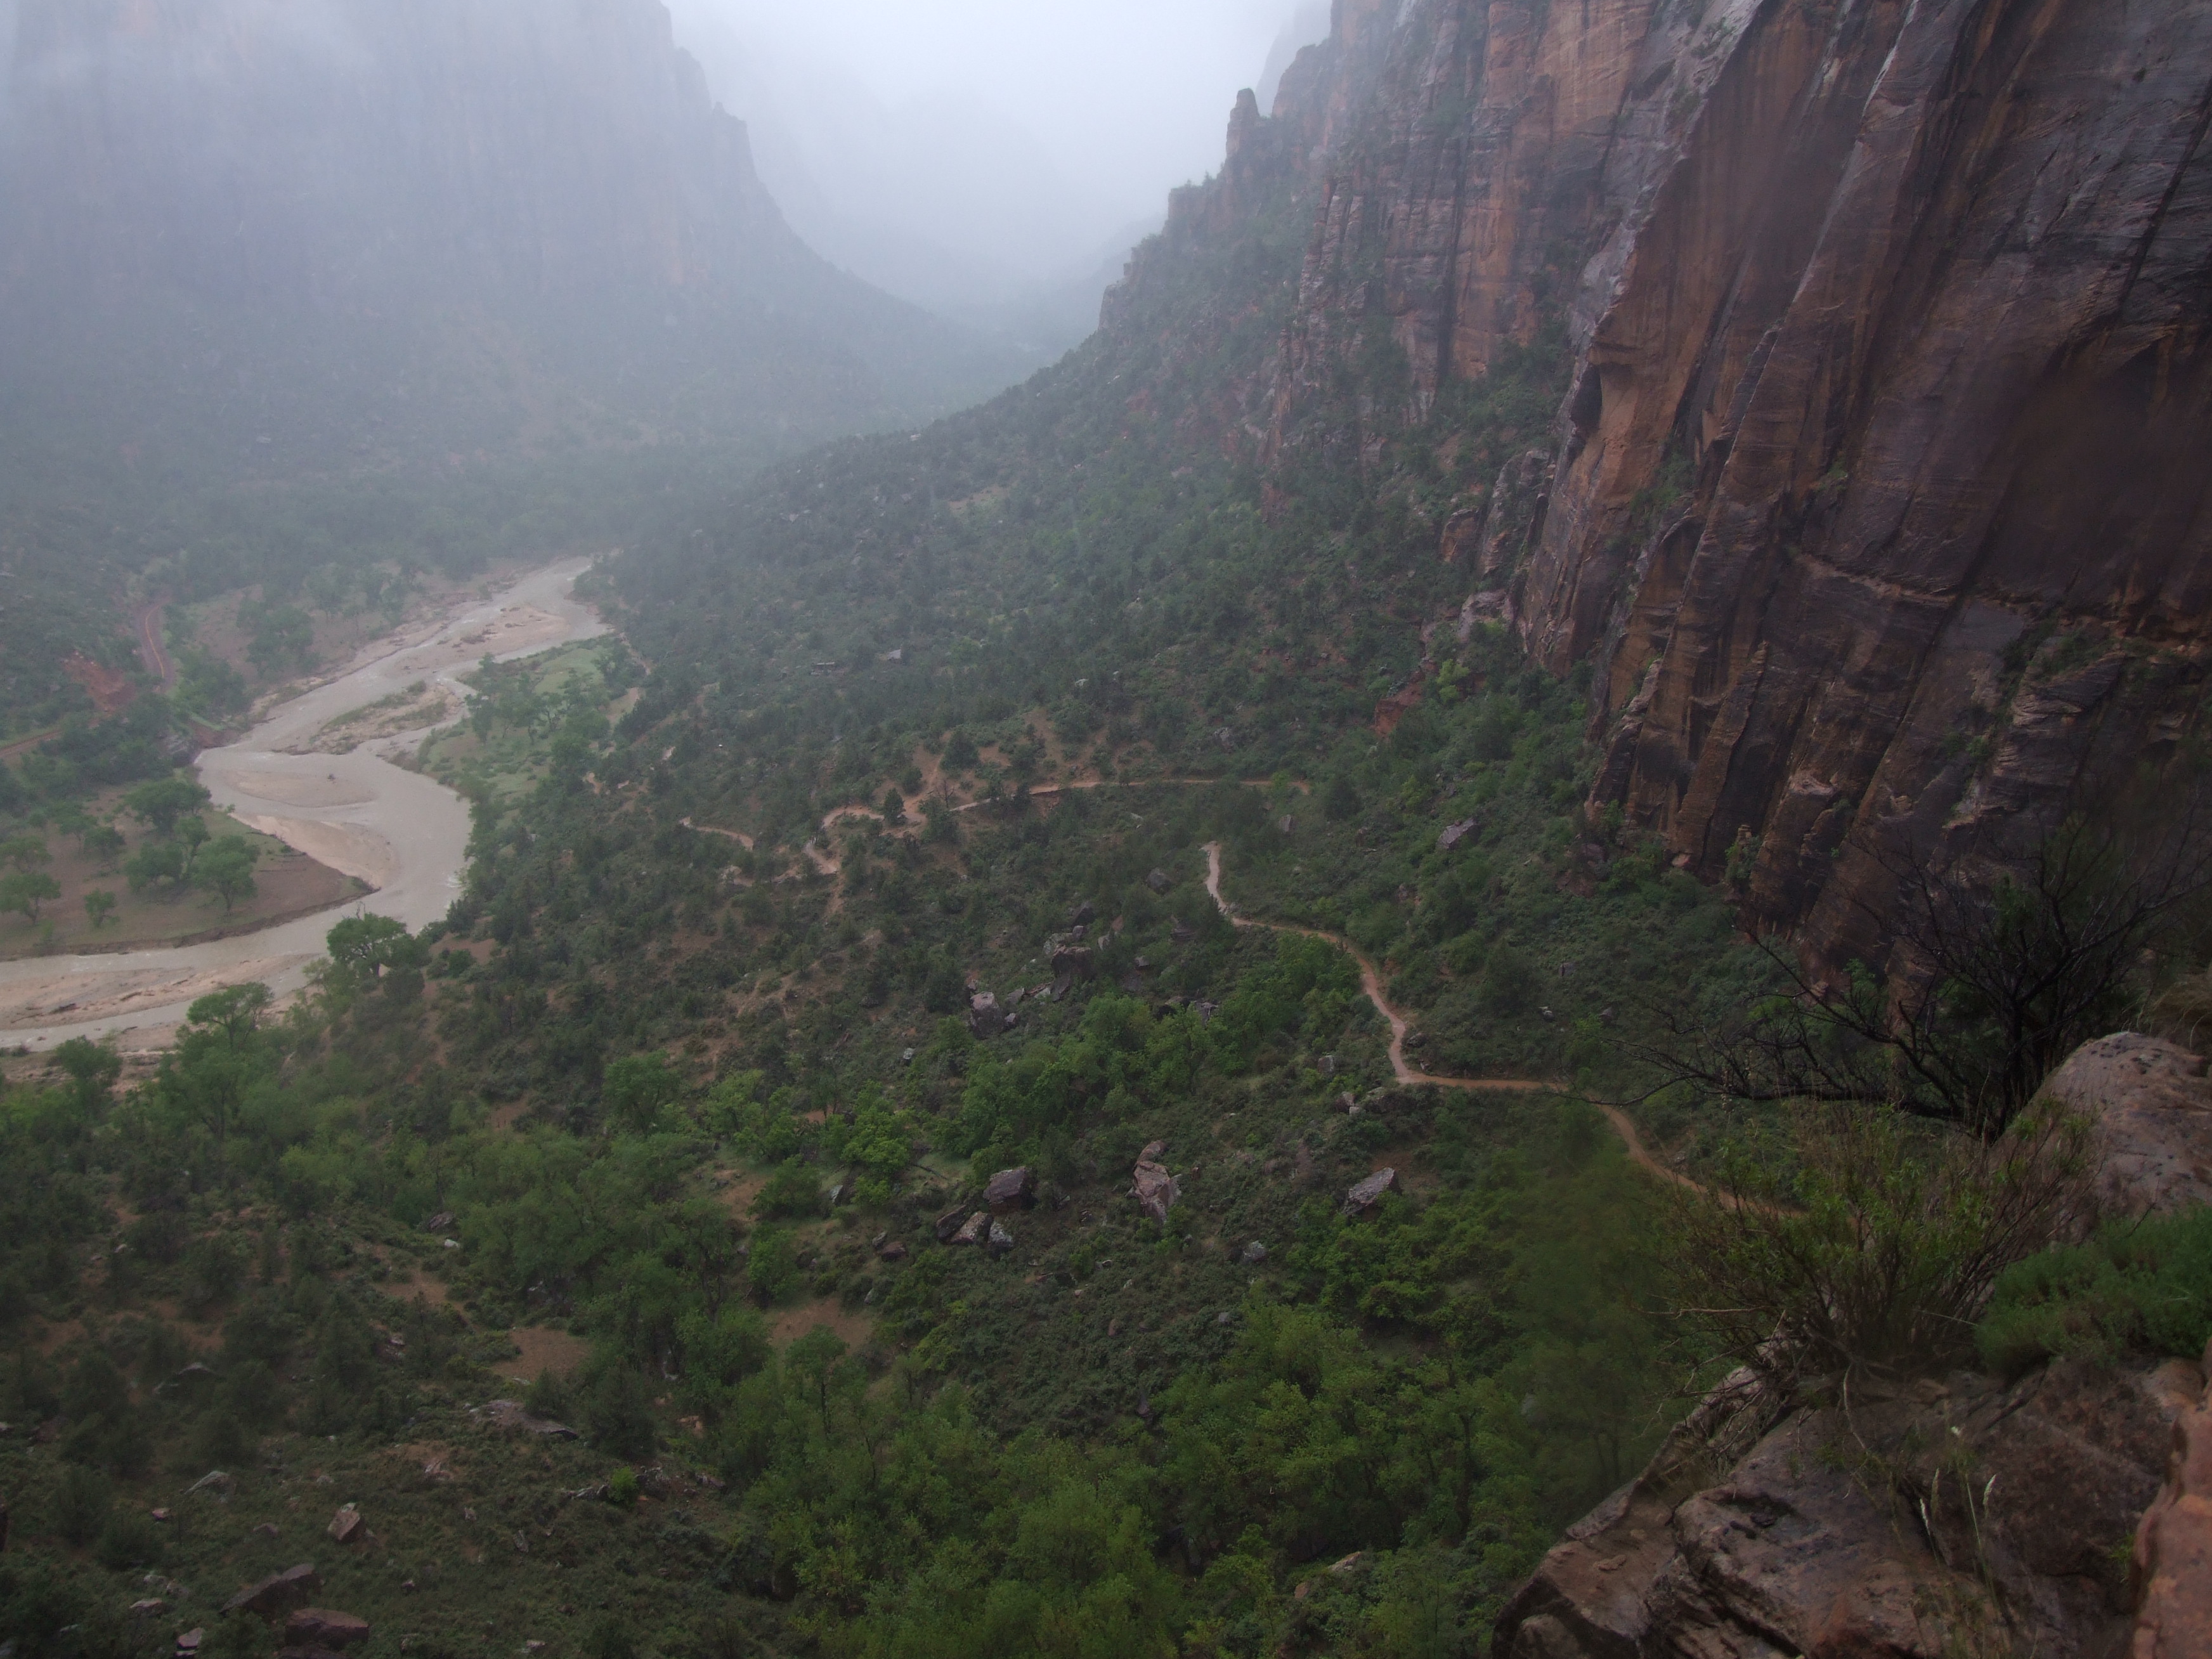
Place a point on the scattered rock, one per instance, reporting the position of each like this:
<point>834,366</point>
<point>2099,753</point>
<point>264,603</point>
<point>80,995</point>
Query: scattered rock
<point>1452,835</point>
<point>1225,1317</point>
<point>1155,1190</point>
<point>1254,1254</point>
<point>150,1606</point>
<point>1075,962</point>
<point>1367,1193</point>
<point>513,1414</point>
<point>2172,1558</point>
<point>1158,882</point>
<point>1001,1241</point>
<point>949,1223</point>
<point>1326,1066</point>
<point>974,1230</point>
<point>345,1526</point>
<point>267,1529</point>
<point>439,1223</point>
<point>1153,1152</point>
<point>984,1016</point>
<point>1350,1563</point>
<point>324,1627</point>
<point>893,1251</point>
<point>1183,932</point>
<point>189,1641</point>
<point>277,1592</point>
<point>1010,1190</point>
<point>1083,914</point>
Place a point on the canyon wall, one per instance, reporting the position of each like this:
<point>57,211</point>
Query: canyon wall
<point>1879,502</point>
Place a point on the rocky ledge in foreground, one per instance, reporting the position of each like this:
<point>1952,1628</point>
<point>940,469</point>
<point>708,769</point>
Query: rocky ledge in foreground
<point>2069,1513</point>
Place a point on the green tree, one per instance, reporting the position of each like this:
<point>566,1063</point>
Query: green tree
<point>226,870</point>
<point>93,1068</point>
<point>26,890</point>
<point>636,1088</point>
<point>26,850</point>
<point>104,842</point>
<point>99,905</point>
<point>364,948</point>
<point>156,861</point>
<point>160,804</point>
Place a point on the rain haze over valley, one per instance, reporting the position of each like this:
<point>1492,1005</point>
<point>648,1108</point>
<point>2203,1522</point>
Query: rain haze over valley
<point>1231,830</point>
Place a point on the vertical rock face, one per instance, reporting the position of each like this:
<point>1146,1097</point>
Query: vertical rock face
<point>1880,490</point>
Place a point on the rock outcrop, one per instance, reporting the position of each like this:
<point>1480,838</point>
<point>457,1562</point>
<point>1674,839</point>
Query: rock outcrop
<point>2070,1511</point>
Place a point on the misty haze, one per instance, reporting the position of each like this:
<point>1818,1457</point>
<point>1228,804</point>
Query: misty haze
<point>1255,828</point>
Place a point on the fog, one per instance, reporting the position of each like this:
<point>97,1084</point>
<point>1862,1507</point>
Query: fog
<point>991,159</point>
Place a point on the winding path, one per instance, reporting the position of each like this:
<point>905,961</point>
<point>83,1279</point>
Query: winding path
<point>1371,980</point>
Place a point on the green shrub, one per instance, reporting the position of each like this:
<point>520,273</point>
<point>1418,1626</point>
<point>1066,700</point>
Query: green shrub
<point>2141,1286</point>
<point>622,1490</point>
<point>82,1504</point>
<point>1886,1250</point>
<point>549,1396</point>
<point>129,1539</point>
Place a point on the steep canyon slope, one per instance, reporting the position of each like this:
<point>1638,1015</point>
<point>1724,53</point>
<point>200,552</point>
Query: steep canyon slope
<point>1879,499</point>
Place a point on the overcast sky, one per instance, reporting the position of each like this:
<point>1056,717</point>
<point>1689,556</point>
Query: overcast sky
<point>951,142</point>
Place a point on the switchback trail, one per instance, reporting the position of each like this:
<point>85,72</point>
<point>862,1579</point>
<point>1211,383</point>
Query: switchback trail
<point>1371,980</point>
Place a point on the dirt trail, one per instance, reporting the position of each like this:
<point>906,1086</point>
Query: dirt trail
<point>1371,979</point>
<point>151,652</point>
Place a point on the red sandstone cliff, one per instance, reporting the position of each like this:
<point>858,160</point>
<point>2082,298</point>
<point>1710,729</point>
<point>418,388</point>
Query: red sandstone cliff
<point>1881,493</point>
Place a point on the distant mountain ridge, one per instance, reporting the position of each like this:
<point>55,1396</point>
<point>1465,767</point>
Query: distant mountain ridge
<point>330,232</point>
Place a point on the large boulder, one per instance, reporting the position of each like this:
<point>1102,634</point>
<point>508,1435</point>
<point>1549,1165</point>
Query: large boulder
<point>1010,1190</point>
<point>974,1230</point>
<point>277,1593</point>
<point>1155,1190</point>
<point>2152,1103</point>
<point>985,1017</point>
<point>324,1627</point>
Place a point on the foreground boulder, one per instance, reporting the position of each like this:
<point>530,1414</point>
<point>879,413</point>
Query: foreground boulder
<point>277,1593</point>
<point>2069,1512</point>
<point>1841,1526</point>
